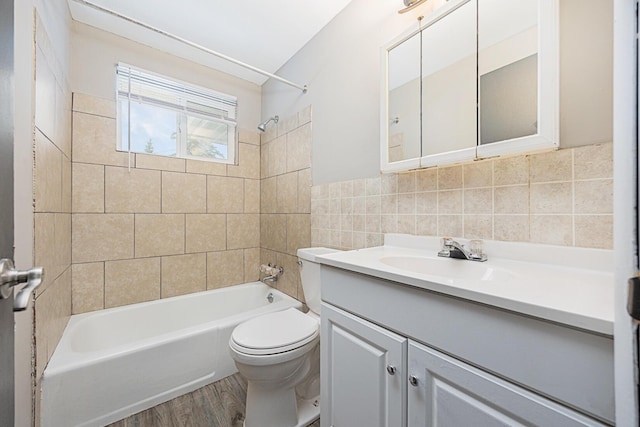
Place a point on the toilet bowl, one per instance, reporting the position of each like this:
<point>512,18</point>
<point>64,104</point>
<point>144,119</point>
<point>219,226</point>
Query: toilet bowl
<point>279,355</point>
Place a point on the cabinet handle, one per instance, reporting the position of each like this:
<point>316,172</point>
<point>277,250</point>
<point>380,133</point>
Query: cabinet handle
<point>391,369</point>
<point>413,380</point>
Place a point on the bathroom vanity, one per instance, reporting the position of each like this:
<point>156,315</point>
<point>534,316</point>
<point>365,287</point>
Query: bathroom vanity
<point>410,339</point>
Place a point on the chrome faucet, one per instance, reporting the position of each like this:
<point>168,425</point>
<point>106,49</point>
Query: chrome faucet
<point>269,279</point>
<point>452,249</point>
<point>271,273</point>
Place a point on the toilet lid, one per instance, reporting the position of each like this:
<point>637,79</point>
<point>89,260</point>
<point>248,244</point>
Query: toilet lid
<point>279,331</point>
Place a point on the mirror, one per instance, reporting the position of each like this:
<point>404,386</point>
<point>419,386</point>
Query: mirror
<point>508,69</point>
<point>449,70</point>
<point>404,100</point>
<point>478,79</point>
<point>518,75</point>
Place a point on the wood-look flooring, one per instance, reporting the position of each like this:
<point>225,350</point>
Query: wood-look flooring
<point>220,404</point>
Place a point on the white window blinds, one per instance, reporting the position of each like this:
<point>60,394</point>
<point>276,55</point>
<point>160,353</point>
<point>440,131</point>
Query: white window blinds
<point>161,116</point>
<point>152,89</point>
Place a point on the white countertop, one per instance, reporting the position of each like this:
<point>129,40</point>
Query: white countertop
<point>571,286</point>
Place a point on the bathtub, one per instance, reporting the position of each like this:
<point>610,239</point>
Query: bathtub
<point>113,363</point>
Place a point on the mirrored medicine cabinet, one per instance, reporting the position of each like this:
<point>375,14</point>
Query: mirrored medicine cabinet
<point>475,79</point>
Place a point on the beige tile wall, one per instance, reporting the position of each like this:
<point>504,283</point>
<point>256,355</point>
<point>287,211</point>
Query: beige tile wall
<point>52,199</point>
<point>285,201</point>
<point>217,223</point>
<point>163,228</point>
<point>562,197</point>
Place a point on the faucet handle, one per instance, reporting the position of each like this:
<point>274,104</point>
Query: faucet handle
<point>444,246</point>
<point>476,250</point>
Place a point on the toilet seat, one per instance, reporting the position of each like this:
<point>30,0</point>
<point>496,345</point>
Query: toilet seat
<point>275,333</point>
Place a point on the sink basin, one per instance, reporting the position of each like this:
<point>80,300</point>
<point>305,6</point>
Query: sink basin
<point>449,268</point>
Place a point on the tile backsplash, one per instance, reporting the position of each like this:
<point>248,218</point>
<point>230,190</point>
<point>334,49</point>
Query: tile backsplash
<point>562,197</point>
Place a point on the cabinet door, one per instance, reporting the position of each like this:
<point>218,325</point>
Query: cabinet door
<point>446,392</point>
<point>449,89</point>
<point>363,372</point>
<point>518,74</point>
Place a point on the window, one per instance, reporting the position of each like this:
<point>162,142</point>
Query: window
<point>165,117</point>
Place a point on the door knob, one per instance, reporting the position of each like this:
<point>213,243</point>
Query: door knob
<point>391,369</point>
<point>10,277</point>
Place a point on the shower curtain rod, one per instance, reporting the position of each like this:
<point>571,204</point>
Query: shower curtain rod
<point>303,88</point>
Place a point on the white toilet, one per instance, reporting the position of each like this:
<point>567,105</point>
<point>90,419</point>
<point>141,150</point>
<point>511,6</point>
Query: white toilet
<point>279,355</point>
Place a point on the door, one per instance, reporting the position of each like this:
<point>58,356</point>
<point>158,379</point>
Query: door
<point>6,209</point>
<point>635,331</point>
<point>626,186</point>
<point>363,372</point>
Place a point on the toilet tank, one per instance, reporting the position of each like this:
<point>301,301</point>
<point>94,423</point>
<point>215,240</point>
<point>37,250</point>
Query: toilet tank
<point>310,275</point>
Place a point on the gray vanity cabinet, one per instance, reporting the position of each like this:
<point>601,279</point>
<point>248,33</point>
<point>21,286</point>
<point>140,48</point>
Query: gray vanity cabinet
<point>376,378</point>
<point>363,372</point>
<point>394,355</point>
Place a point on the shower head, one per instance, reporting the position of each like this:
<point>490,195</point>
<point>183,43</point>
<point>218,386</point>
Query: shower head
<point>263,126</point>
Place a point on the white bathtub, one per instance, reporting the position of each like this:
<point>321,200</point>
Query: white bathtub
<point>113,363</point>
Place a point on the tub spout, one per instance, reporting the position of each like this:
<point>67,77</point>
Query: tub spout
<point>269,279</point>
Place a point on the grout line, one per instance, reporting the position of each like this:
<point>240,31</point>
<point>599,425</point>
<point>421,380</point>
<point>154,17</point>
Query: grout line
<point>161,191</point>
<point>573,198</point>
<point>104,284</point>
<point>463,204</point>
<point>528,159</point>
<point>438,232</point>
<point>493,201</point>
<point>134,235</point>
<point>160,284</point>
<point>206,270</point>
<point>104,189</point>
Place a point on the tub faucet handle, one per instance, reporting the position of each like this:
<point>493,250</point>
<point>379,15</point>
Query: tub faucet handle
<point>271,273</point>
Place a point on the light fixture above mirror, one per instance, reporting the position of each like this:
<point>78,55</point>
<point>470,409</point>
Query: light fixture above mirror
<point>410,4</point>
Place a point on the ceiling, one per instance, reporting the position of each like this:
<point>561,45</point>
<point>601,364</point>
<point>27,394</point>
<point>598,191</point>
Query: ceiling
<point>264,34</point>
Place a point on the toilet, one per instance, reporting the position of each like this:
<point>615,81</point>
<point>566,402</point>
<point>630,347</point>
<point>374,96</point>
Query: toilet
<point>279,355</point>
